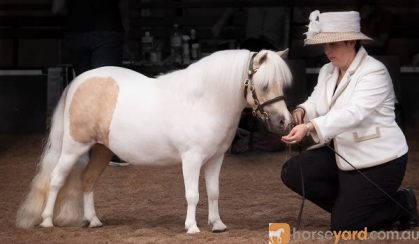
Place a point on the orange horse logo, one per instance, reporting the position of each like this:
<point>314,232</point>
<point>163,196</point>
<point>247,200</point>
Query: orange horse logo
<point>279,233</point>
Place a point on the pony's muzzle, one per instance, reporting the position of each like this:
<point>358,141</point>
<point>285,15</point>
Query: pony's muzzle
<point>279,123</point>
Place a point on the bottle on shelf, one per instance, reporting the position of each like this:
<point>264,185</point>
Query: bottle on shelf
<point>146,47</point>
<point>176,45</point>
<point>195,48</point>
<point>186,56</point>
<point>155,56</point>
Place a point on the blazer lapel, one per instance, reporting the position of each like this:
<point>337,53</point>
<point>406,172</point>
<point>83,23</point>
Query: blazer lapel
<point>331,84</point>
<point>341,87</point>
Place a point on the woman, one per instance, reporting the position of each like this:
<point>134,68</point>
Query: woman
<point>352,110</point>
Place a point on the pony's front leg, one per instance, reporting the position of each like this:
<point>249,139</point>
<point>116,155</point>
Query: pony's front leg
<point>191,165</point>
<point>212,173</point>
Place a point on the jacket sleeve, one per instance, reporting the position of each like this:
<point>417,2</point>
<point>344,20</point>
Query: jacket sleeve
<point>371,91</point>
<point>310,104</point>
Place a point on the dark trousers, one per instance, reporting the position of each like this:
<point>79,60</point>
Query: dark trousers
<point>354,203</point>
<point>95,49</point>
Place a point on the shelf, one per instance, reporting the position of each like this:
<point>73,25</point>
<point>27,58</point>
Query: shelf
<point>270,3</point>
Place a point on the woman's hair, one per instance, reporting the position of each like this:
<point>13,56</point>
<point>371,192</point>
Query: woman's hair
<point>357,45</point>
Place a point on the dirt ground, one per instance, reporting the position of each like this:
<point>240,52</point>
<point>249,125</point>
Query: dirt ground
<point>147,204</point>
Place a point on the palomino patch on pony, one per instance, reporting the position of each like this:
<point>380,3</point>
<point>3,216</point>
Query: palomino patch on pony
<point>92,108</point>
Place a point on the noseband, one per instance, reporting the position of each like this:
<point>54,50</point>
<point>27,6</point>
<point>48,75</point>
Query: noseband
<point>249,85</point>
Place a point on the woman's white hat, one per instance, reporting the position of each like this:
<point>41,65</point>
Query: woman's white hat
<point>334,27</point>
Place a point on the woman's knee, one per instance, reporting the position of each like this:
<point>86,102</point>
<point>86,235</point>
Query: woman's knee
<point>290,174</point>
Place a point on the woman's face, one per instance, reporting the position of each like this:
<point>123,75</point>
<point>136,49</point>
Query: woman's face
<point>340,54</point>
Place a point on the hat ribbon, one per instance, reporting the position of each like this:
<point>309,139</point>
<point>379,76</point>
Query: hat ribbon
<point>314,25</point>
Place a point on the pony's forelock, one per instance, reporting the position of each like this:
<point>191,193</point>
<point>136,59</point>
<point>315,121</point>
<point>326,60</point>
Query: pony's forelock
<point>273,69</point>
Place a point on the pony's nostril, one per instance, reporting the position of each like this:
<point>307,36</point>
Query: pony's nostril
<point>281,122</point>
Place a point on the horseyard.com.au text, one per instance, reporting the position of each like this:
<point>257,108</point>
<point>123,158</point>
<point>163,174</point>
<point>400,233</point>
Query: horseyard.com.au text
<point>362,235</point>
<point>280,233</point>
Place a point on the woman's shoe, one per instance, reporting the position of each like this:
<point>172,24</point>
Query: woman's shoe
<point>116,161</point>
<point>407,220</point>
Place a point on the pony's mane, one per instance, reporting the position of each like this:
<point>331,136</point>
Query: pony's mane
<point>222,70</point>
<point>223,64</point>
<point>219,63</point>
<point>224,73</point>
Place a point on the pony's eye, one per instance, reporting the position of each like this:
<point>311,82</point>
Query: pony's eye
<point>265,88</point>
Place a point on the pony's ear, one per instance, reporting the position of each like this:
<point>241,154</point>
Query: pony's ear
<point>261,57</point>
<point>283,54</point>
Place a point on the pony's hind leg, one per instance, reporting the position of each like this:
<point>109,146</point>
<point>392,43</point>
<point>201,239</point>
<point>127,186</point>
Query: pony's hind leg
<point>71,151</point>
<point>212,173</point>
<point>99,158</point>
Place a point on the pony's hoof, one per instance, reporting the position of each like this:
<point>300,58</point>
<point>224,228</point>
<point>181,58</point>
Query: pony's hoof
<point>219,227</point>
<point>193,230</point>
<point>85,223</point>
<point>47,223</point>
<point>95,223</point>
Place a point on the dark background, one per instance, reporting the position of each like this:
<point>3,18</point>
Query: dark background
<point>31,42</point>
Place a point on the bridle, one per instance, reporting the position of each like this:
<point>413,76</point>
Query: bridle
<point>258,110</point>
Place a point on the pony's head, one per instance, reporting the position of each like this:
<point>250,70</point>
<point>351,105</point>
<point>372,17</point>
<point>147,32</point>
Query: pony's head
<point>267,76</point>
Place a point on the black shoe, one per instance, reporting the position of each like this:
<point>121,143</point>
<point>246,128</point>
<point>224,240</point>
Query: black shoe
<point>407,199</point>
<point>116,161</point>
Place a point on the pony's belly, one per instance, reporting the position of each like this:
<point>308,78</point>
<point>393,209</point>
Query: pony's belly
<point>142,150</point>
<point>149,160</point>
<point>142,155</point>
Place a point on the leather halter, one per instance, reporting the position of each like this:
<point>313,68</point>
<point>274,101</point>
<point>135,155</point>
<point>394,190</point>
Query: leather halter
<point>249,85</point>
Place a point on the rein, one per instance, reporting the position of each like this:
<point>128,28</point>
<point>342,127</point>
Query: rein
<point>249,85</point>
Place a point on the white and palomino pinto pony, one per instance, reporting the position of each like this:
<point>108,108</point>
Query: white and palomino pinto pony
<point>188,116</point>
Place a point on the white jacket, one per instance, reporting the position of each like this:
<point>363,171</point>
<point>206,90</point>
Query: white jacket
<point>359,117</point>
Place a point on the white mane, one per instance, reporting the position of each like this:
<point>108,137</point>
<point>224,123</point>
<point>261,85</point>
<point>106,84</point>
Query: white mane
<point>223,73</point>
<point>219,67</point>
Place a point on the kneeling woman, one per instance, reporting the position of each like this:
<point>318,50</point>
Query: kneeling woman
<point>352,110</point>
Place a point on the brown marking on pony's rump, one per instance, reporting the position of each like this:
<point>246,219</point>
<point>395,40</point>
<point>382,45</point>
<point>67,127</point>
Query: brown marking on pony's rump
<point>92,108</point>
<point>99,159</point>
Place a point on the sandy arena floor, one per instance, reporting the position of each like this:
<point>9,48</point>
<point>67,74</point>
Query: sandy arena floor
<point>147,204</point>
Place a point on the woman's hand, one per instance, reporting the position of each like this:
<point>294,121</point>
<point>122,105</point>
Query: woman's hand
<point>298,116</point>
<point>296,134</point>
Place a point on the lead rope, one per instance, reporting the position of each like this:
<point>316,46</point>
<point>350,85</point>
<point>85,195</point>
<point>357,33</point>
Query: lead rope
<point>303,194</point>
<point>300,214</point>
<point>290,154</point>
<point>371,181</point>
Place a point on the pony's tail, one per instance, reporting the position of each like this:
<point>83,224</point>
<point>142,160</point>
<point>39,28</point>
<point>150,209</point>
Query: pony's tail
<point>29,213</point>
